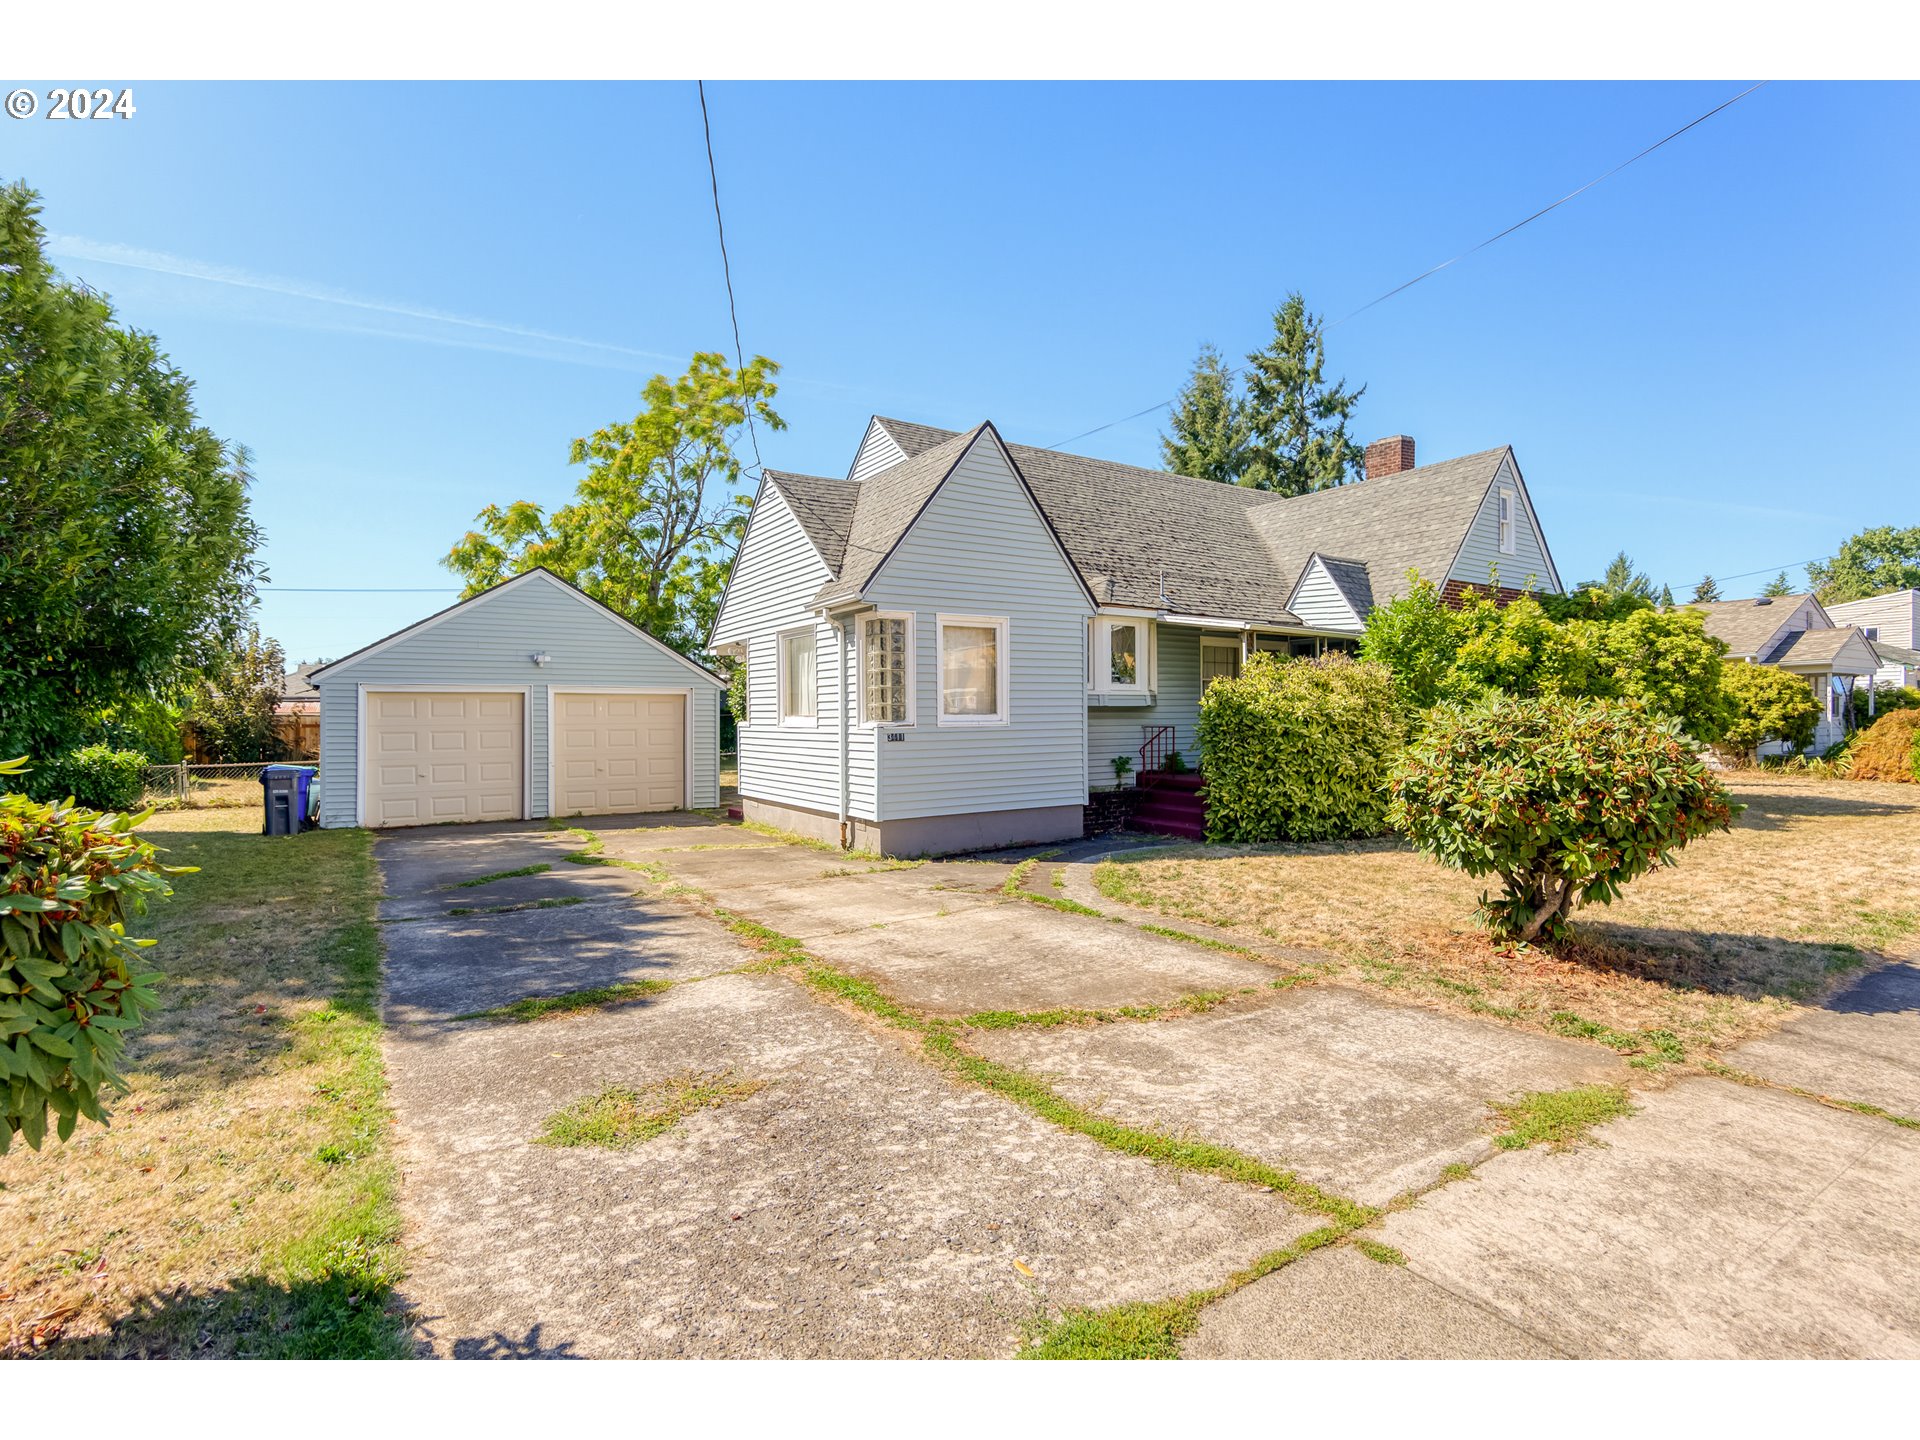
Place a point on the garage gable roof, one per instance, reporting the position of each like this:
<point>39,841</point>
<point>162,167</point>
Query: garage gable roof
<point>525,577</point>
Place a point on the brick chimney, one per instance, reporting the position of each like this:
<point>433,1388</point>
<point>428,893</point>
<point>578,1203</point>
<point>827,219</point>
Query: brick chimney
<point>1389,456</point>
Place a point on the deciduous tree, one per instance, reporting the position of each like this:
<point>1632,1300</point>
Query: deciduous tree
<point>1871,563</point>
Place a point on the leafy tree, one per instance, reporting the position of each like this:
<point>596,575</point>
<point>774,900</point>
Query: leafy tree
<point>1707,591</point>
<point>1778,586</point>
<point>1666,660</point>
<point>1520,650</point>
<point>1209,425</point>
<point>126,546</point>
<point>1766,703</point>
<point>1417,638</point>
<point>1564,801</point>
<point>655,521</point>
<point>232,709</point>
<point>1298,419</point>
<point>69,988</point>
<point>1873,562</point>
<point>1666,597</point>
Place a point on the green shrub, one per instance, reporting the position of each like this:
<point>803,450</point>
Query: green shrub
<point>1886,699</point>
<point>1300,749</point>
<point>94,776</point>
<point>1564,800</point>
<point>69,992</point>
<point>1889,749</point>
<point>140,723</point>
<point>1764,703</point>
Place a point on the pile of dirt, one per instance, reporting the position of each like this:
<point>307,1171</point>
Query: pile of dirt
<point>1889,749</point>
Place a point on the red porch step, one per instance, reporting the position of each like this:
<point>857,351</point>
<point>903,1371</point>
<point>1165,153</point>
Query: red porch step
<point>1171,804</point>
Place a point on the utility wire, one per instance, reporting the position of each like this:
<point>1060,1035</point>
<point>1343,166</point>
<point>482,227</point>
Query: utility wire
<point>726,266</point>
<point>1570,195</point>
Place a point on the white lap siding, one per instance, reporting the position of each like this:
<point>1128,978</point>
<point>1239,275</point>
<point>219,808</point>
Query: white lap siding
<point>980,548</point>
<point>1480,552</point>
<point>770,593</point>
<point>490,643</point>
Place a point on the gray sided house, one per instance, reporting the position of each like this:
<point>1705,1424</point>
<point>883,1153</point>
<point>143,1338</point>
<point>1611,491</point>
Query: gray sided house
<point>949,648</point>
<point>1795,633</point>
<point>527,700</point>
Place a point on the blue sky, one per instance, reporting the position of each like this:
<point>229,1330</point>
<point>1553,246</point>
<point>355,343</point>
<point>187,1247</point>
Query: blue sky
<point>409,299</point>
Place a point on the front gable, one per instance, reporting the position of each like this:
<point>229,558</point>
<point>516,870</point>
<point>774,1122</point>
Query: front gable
<point>1481,551</point>
<point>774,574</point>
<point>878,451</point>
<point>1320,602</point>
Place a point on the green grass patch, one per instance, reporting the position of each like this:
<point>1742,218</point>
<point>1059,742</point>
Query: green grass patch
<point>621,1116</point>
<point>1559,1117</point>
<point>1859,1107</point>
<point>1153,1330</point>
<point>540,1007</point>
<point>1649,1049</point>
<point>1376,1251</point>
<point>546,902</point>
<point>539,869</point>
<point>1060,903</point>
<point>1197,1003</point>
<point>1206,941</point>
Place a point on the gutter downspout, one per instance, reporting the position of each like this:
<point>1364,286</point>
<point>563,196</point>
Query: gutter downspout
<point>842,629</point>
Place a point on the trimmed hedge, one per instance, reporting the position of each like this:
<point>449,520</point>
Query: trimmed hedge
<point>1300,749</point>
<point>1889,749</point>
<point>95,776</point>
<point>1563,801</point>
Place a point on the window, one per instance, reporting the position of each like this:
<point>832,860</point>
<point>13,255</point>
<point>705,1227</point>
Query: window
<point>746,683</point>
<point>973,670</point>
<point>886,669</point>
<point>1508,541</point>
<point>798,684</point>
<point>1120,657</point>
<point>1219,660</point>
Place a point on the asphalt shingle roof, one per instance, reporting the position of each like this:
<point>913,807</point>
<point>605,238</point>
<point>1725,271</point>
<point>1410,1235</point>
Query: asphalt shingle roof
<point>1818,647</point>
<point>1748,626</point>
<point>1156,540</point>
<point>824,509</point>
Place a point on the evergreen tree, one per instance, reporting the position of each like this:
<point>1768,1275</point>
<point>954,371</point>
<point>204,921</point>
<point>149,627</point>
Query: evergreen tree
<point>1209,424</point>
<point>1622,579</point>
<point>1778,586</point>
<point>1297,419</point>
<point>1666,597</point>
<point>1706,591</point>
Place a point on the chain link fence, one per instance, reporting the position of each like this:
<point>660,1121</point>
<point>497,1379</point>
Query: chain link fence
<point>203,786</point>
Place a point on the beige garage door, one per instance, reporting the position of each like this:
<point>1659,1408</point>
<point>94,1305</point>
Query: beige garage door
<point>434,757</point>
<point>619,753</point>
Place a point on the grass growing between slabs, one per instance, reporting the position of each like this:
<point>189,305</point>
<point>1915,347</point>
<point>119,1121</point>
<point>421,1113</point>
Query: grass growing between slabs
<point>242,1200</point>
<point>621,1116</point>
<point>1560,1118</point>
<point>537,869</point>
<point>541,1007</point>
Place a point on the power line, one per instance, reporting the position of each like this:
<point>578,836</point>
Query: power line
<point>1570,195</point>
<point>726,266</point>
<point>361,589</point>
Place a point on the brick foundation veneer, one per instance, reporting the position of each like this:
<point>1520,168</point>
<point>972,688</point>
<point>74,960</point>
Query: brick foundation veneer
<point>1109,810</point>
<point>1454,593</point>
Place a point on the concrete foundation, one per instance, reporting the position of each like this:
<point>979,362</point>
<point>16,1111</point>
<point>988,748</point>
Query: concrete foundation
<point>926,834</point>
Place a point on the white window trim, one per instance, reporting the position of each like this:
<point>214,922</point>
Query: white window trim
<point>795,722</point>
<point>1100,656</point>
<point>860,671</point>
<point>1507,521</point>
<point>1001,648</point>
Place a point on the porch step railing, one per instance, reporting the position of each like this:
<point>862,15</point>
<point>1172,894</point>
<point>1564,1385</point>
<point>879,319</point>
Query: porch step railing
<point>1157,746</point>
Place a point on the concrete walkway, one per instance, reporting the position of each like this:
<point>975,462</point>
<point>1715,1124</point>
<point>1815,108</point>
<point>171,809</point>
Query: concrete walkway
<point>864,1203</point>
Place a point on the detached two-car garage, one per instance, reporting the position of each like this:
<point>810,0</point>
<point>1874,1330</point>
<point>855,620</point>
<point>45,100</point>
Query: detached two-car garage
<point>526,700</point>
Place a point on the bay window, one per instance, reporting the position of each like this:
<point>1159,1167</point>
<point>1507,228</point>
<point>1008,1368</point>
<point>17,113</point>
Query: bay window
<point>973,670</point>
<point>1120,656</point>
<point>886,669</point>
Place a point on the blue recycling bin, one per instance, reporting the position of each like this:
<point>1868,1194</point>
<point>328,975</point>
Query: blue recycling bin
<point>287,794</point>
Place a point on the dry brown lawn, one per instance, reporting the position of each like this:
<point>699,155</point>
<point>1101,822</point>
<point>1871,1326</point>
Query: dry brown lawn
<point>1817,880</point>
<point>240,1200</point>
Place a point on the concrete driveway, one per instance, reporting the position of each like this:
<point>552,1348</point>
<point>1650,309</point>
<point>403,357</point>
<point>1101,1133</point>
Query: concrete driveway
<point>863,1202</point>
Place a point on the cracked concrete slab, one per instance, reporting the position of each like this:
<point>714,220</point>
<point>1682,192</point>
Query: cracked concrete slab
<point>1020,956</point>
<point>1863,1044</point>
<point>1362,1096</point>
<point>861,1205</point>
<point>1339,1305</point>
<point>810,909</point>
<point>724,870</point>
<point>420,865</point>
<point>440,968</point>
<point>1720,1221</point>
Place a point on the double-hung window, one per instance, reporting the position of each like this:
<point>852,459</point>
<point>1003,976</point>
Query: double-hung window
<point>886,669</point>
<point>799,681</point>
<point>1508,528</point>
<point>973,670</point>
<point>1219,659</point>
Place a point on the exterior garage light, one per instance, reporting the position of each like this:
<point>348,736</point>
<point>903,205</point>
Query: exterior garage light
<point>540,657</point>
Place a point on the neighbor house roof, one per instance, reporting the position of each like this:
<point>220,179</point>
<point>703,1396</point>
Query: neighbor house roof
<point>1808,648</point>
<point>1155,540</point>
<point>297,687</point>
<point>1895,654</point>
<point>1748,626</point>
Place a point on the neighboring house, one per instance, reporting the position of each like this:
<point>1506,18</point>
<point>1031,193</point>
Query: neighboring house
<point>949,647</point>
<point>1892,623</point>
<point>526,700</point>
<point>1795,633</point>
<point>296,714</point>
<point>297,690</point>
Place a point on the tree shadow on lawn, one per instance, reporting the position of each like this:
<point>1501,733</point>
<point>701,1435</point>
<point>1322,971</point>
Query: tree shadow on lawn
<point>1748,966</point>
<point>1786,807</point>
<point>338,1317</point>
